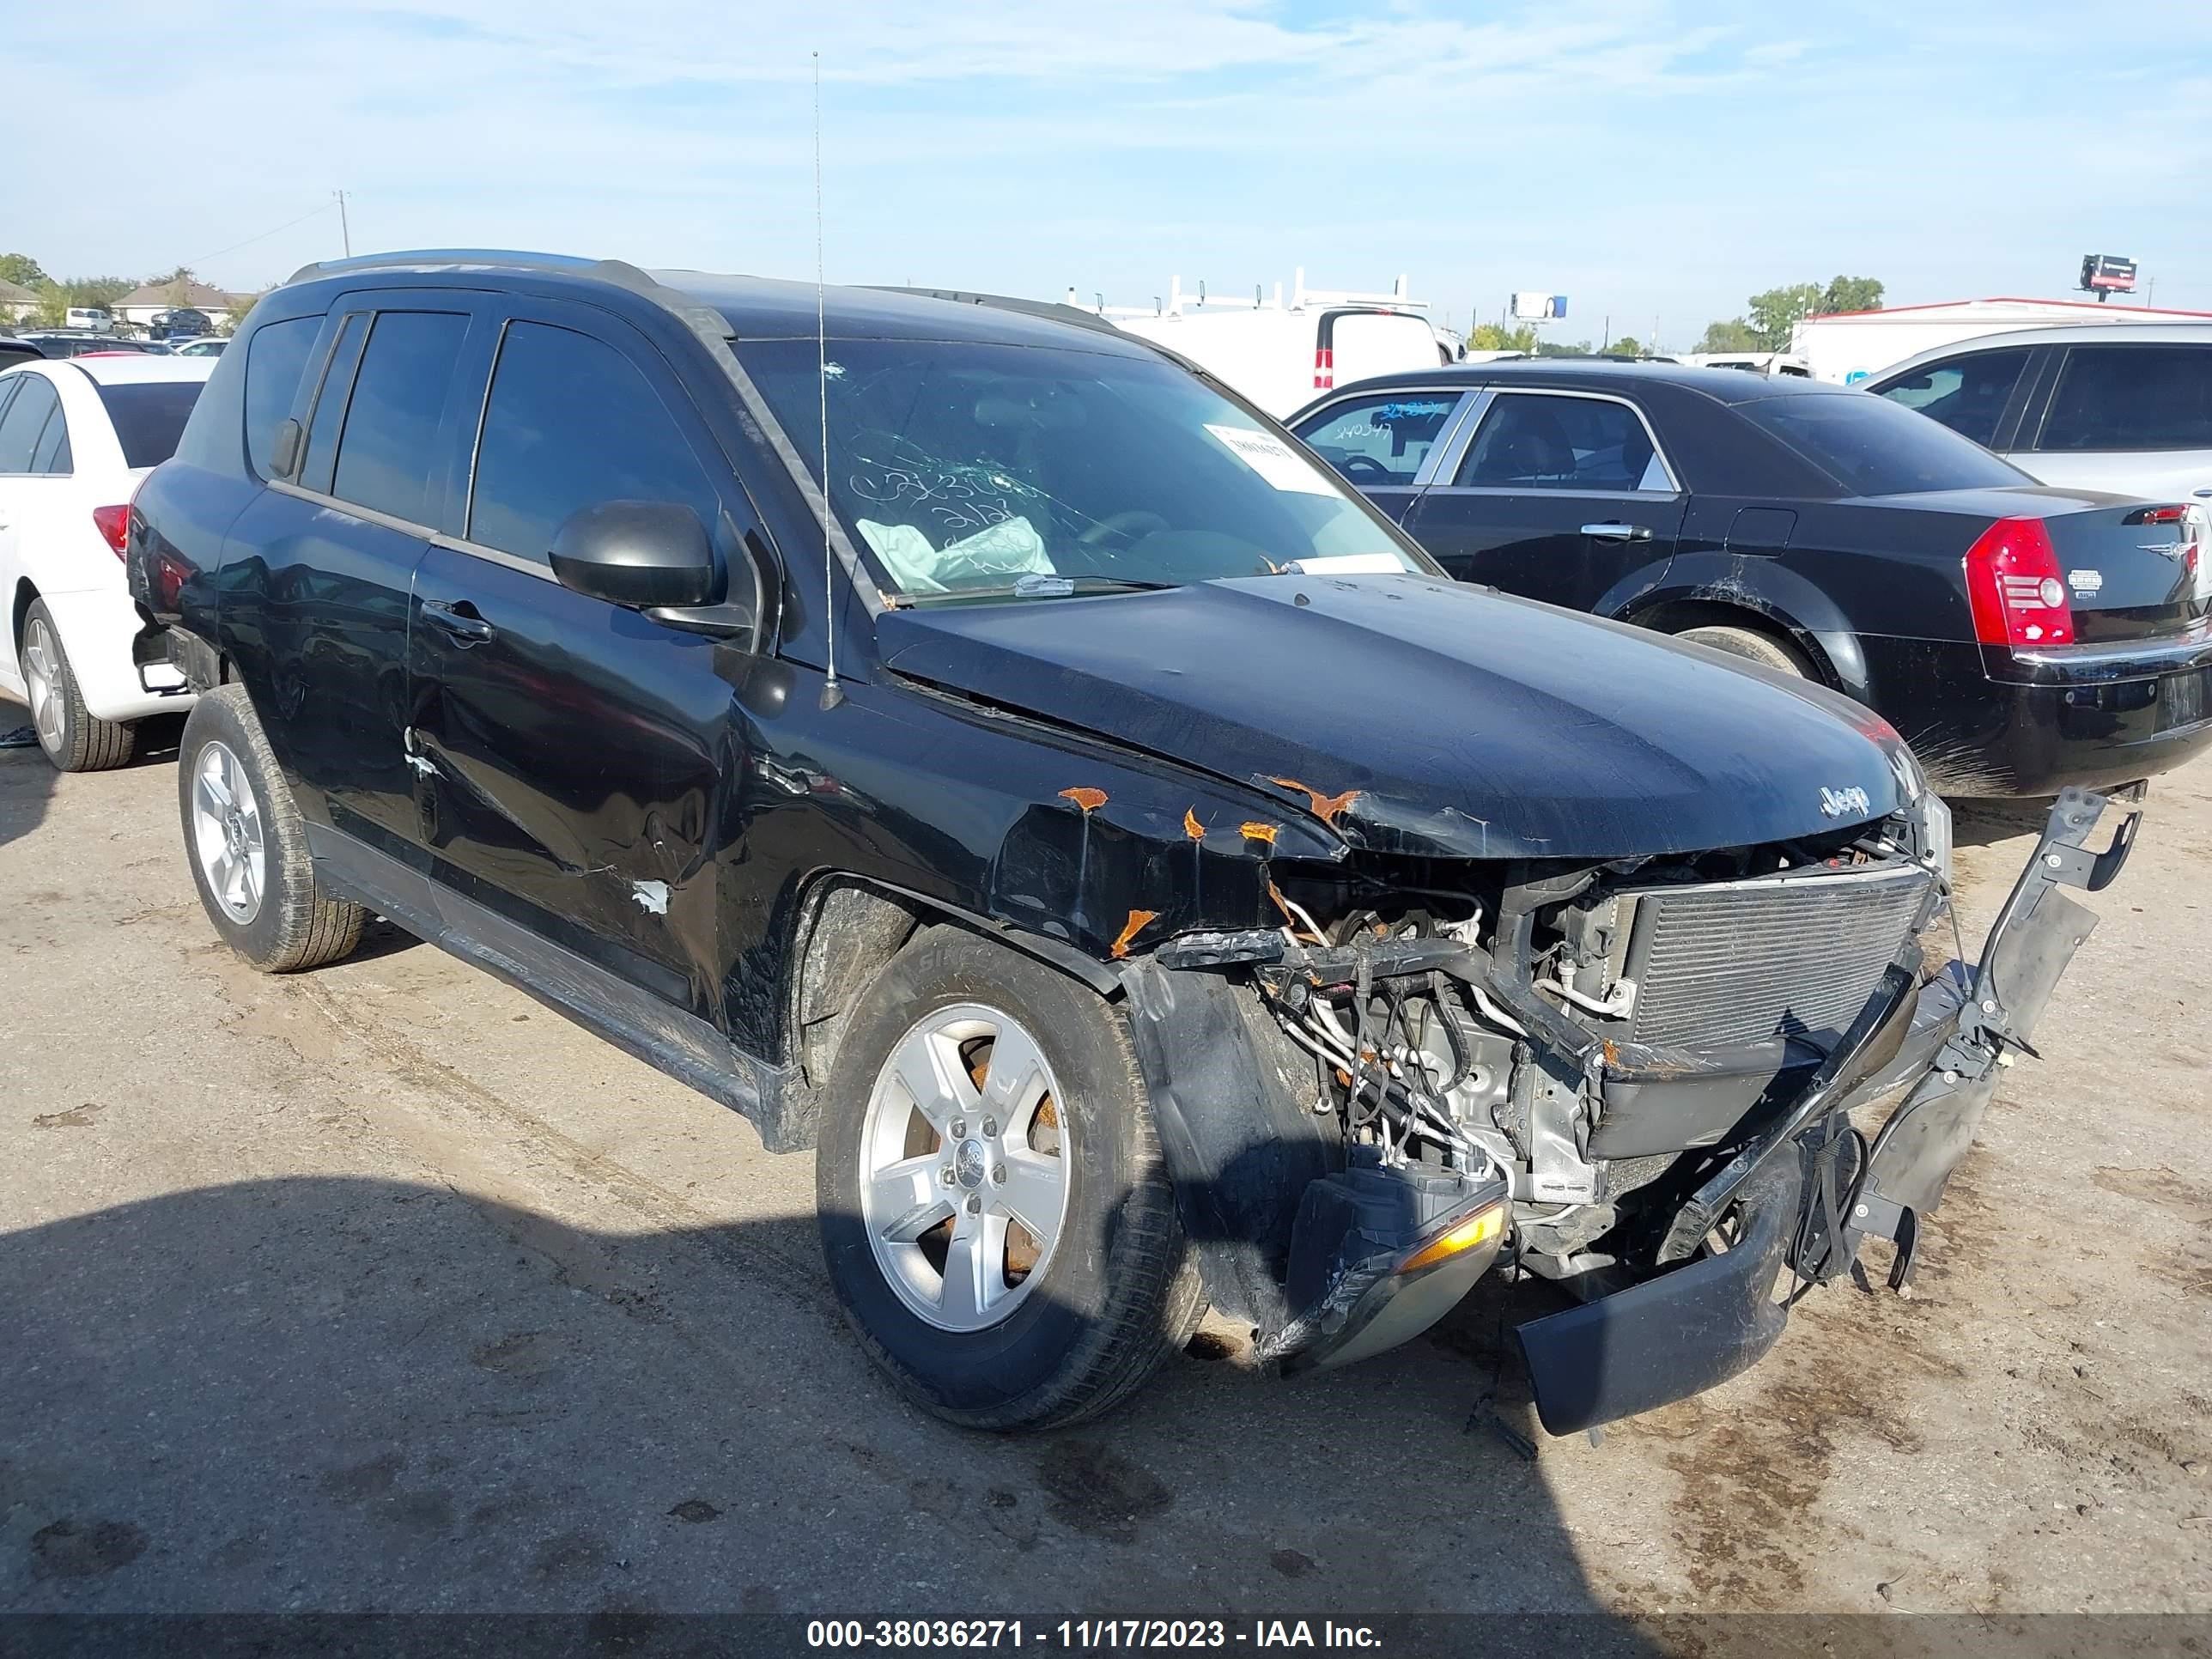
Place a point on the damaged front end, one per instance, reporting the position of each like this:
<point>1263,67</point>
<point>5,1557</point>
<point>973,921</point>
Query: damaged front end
<point>1635,1078</point>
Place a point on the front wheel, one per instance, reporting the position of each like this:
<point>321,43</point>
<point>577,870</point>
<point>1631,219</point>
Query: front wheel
<point>248,849</point>
<point>999,1226</point>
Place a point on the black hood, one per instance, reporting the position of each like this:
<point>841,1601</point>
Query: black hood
<point>1464,724</point>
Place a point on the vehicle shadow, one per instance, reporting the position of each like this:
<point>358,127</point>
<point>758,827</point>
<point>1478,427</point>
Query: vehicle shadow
<point>27,781</point>
<point>338,1393</point>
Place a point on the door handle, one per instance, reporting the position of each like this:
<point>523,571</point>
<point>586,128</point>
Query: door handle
<point>1618,533</point>
<point>457,617</point>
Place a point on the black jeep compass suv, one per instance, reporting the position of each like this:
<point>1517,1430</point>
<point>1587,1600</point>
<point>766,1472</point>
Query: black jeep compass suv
<point>972,745</point>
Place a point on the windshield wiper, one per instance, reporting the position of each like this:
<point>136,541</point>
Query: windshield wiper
<point>1035,585</point>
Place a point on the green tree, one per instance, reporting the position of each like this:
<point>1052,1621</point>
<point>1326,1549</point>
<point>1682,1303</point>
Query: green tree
<point>1626,346</point>
<point>55,298</point>
<point>1548,349</point>
<point>1851,294</point>
<point>1495,337</point>
<point>242,307</point>
<point>1777,312</point>
<point>21,270</point>
<point>1733,334</point>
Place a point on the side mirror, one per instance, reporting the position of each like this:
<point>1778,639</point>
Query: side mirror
<point>640,554</point>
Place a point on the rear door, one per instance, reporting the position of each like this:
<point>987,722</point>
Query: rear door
<point>572,752</point>
<point>2135,419</point>
<point>1382,441</point>
<point>318,569</point>
<point>1556,495</point>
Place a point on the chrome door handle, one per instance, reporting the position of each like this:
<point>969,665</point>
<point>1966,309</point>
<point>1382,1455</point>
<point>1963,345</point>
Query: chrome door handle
<point>2203,494</point>
<point>1618,533</point>
<point>464,625</point>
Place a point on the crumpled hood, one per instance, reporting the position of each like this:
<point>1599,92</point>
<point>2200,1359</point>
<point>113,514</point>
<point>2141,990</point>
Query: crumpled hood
<point>1461,723</point>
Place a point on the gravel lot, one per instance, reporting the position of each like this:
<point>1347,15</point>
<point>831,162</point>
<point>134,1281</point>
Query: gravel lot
<point>384,1287</point>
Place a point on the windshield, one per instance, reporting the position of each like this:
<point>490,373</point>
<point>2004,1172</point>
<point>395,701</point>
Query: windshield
<point>1873,447</point>
<point>966,468</point>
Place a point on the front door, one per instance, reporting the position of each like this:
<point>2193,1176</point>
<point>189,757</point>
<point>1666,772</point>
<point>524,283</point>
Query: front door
<point>571,753</point>
<point>1558,497</point>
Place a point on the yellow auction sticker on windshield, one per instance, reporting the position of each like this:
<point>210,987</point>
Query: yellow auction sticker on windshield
<point>1274,460</point>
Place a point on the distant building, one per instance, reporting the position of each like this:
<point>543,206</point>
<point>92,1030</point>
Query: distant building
<point>16,303</point>
<point>1848,346</point>
<point>142,306</point>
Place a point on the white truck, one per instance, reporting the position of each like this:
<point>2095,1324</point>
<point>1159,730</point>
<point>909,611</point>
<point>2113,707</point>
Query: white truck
<point>1281,352</point>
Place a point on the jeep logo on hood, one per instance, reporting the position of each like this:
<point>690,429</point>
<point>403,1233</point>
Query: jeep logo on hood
<point>1834,802</point>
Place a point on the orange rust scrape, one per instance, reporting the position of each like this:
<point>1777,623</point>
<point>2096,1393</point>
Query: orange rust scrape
<point>1138,919</point>
<point>1325,807</point>
<point>1086,797</point>
<point>1266,832</point>
<point>1191,826</point>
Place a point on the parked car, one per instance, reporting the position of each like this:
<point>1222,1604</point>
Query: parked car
<point>14,350</point>
<point>2125,407</point>
<point>76,343</point>
<point>184,323</point>
<point>96,319</point>
<point>1751,363</point>
<point>1143,878</point>
<point>75,440</point>
<point>209,346</point>
<point>2022,637</point>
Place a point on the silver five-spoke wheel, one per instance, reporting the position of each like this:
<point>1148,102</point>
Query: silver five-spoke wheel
<point>42,677</point>
<point>227,834</point>
<point>964,1163</point>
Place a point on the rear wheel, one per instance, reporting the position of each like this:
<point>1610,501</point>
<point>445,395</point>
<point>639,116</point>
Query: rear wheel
<point>74,739</point>
<point>999,1226</point>
<point>247,847</point>
<point>1754,646</point>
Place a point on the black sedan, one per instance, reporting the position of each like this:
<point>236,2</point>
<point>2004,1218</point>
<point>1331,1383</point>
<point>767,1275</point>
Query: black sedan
<point>2022,637</point>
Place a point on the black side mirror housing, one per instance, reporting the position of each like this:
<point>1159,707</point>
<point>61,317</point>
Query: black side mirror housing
<point>643,555</point>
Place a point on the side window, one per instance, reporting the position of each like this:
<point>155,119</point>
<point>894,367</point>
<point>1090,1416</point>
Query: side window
<point>52,453</point>
<point>2132,397</point>
<point>314,469</point>
<point>1561,443</point>
<point>275,357</point>
<point>1381,440</point>
<point>21,427</point>
<point>570,422</point>
<point>1968,394</point>
<point>388,452</point>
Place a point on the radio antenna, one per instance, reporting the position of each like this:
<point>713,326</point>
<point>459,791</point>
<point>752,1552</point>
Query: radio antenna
<point>832,694</point>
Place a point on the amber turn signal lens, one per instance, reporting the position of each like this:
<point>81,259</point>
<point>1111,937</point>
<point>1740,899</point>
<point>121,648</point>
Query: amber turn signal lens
<point>1477,1228</point>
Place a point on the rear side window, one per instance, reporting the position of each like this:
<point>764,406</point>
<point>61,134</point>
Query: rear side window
<point>1385,440</point>
<point>150,417</point>
<point>25,423</point>
<point>275,357</point>
<point>2132,397</point>
<point>52,453</point>
<point>1968,394</point>
<point>1562,443</point>
<point>388,447</point>
<point>572,423</point>
<point>1872,448</point>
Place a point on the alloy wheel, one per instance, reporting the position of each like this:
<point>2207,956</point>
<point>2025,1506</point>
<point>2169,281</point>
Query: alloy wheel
<point>227,833</point>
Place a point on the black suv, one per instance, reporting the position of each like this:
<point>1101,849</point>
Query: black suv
<point>1144,879</point>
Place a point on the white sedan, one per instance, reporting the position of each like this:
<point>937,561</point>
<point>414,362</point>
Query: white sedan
<point>75,438</point>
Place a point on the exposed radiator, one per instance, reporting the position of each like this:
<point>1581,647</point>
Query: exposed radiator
<point>1726,964</point>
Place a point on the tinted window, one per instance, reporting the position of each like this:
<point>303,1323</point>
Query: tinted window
<point>1967,394</point>
<point>388,450</point>
<point>275,357</point>
<point>314,469</point>
<point>572,423</point>
<point>1872,448</point>
<point>25,419</point>
<point>2144,397</point>
<point>52,453</point>
<point>1381,440</point>
<point>1562,443</point>
<point>150,417</point>
<point>963,466</point>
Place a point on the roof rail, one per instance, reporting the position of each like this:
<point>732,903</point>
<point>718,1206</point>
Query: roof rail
<point>401,258</point>
<point>1075,316</point>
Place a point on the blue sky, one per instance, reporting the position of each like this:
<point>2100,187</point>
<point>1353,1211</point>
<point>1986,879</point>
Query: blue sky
<point>1649,160</point>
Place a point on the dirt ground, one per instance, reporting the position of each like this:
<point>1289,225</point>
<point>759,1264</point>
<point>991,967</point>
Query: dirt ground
<point>383,1287</point>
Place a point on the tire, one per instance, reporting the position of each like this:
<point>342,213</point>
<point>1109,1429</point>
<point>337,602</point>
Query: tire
<point>1754,646</point>
<point>74,738</point>
<point>270,909</point>
<point>1112,1294</point>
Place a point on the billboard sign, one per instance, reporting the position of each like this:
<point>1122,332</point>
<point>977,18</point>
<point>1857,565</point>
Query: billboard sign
<point>2108,273</point>
<point>1532,308</point>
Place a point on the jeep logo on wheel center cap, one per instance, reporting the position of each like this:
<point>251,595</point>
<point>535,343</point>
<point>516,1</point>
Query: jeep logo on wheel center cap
<point>968,1164</point>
